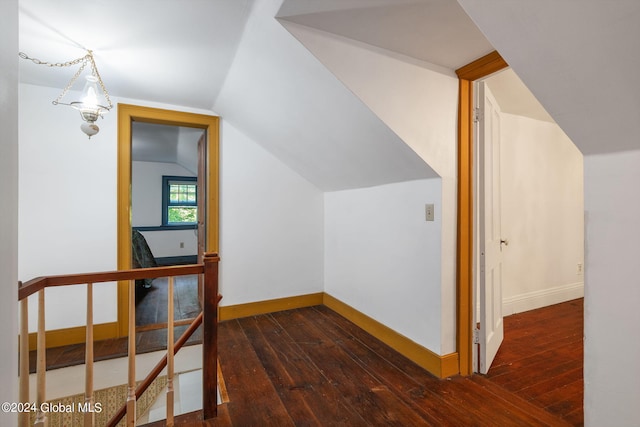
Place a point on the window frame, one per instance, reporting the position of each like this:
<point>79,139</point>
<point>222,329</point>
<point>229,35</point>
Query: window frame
<point>167,180</point>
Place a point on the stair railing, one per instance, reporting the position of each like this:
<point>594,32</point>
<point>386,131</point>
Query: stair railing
<point>208,317</point>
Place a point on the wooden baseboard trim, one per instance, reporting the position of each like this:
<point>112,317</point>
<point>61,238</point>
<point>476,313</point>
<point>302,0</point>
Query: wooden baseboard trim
<point>270,306</point>
<point>440,366</point>
<point>77,335</point>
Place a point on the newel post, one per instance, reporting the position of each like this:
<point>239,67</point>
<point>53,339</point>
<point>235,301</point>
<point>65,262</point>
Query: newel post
<point>210,336</point>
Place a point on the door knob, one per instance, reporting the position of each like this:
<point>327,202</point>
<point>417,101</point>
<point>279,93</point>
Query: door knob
<point>504,242</point>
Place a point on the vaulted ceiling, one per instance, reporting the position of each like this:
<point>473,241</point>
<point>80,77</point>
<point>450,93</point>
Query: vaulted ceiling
<point>579,58</point>
<point>236,58</point>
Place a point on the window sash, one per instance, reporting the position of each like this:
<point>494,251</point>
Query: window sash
<point>184,192</point>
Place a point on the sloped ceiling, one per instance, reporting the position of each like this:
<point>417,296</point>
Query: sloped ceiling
<point>182,54</point>
<point>235,58</point>
<point>580,60</point>
<point>175,52</point>
<point>514,97</point>
<point>434,31</point>
<point>282,96</point>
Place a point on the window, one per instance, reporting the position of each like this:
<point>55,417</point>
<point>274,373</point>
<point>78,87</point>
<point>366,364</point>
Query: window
<point>179,200</point>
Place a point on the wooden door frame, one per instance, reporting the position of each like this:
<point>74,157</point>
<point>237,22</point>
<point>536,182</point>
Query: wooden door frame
<point>477,69</point>
<point>126,115</point>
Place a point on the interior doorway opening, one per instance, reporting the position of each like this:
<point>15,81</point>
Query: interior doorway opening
<point>541,240</point>
<point>194,215</point>
<point>167,228</point>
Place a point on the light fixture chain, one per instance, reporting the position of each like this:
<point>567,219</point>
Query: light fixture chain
<point>53,64</point>
<point>89,108</point>
<point>71,82</point>
<point>94,70</point>
<point>87,58</point>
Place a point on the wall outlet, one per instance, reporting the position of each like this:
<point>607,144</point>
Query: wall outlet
<point>181,245</point>
<point>429,211</point>
<point>579,268</point>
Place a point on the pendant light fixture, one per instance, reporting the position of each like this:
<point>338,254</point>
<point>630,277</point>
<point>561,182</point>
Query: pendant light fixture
<point>94,99</point>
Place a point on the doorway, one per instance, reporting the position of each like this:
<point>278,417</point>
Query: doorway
<point>541,238</point>
<point>166,217</point>
<point>206,153</point>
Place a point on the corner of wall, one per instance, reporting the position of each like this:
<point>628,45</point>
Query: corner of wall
<point>9,206</point>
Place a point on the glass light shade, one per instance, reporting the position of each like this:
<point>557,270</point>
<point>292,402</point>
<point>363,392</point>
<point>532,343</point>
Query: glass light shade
<point>89,104</point>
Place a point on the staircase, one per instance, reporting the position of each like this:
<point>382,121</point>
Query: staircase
<point>208,317</point>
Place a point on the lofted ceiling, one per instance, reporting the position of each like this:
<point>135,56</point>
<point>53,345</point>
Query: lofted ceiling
<point>580,59</point>
<point>151,142</point>
<point>235,57</point>
<point>435,31</point>
<point>174,52</point>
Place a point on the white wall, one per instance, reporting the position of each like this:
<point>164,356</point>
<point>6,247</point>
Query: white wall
<point>271,218</point>
<point>379,255</point>
<point>146,209</point>
<point>67,205</point>
<point>612,289</point>
<point>542,214</point>
<point>187,148</point>
<point>9,206</point>
<point>418,101</point>
<point>271,225</point>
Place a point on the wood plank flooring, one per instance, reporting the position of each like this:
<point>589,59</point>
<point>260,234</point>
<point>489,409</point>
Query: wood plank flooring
<point>151,303</point>
<point>146,341</point>
<point>312,367</point>
<point>541,359</point>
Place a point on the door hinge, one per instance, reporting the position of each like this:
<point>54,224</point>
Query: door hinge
<point>477,115</point>
<point>476,336</point>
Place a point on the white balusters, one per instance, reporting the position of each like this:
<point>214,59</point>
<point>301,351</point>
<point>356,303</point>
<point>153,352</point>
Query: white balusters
<point>170,342</point>
<point>41,370</point>
<point>23,417</point>
<point>131,397</point>
<point>89,416</point>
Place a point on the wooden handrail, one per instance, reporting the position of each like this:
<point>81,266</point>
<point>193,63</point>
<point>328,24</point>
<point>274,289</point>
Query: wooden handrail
<point>32,286</point>
<point>208,317</point>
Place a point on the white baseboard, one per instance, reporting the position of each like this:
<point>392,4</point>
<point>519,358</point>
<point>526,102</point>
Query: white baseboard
<point>543,298</point>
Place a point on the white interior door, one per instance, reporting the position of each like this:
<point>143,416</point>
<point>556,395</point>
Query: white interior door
<point>491,327</point>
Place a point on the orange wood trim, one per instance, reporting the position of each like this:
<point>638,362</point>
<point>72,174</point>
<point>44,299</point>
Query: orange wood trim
<point>440,366</point>
<point>477,69</point>
<point>75,335</point>
<point>126,114</point>
<point>269,306</point>
<point>482,67</point>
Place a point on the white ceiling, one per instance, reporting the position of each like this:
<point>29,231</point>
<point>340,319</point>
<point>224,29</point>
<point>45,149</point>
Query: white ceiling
<point>435,31</point>
<point>579,58</point>
<point>175,52</point>
<point>235,58</point>
<point>152,142</point>
<point>514,97</point>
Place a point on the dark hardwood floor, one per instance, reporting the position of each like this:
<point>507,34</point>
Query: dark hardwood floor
<point>146,341</point>
<point>541,359</point>
<point>311,367</point>
<point>151,303</point>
